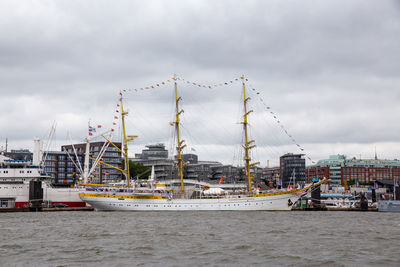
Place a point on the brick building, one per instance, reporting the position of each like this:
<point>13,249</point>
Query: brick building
<point>366,171</point>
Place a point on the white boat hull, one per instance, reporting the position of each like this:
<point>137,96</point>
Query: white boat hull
<point>120,199</point>
<point>123,203</point>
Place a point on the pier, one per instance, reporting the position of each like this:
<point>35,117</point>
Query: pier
<point>47,209</point>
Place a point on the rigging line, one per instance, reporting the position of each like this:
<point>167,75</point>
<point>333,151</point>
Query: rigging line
<point>273,135</point>
<point>200,125</point>
<point>203,147</point>
<point>279,122</point>
<point>69,156</point>
<point>254,154</point>
<point>272,129</point>
<point>281,125</point>
<point>48,143</point>
<point>99,156</point>
<point>201,85</point>
<point>79,163</point>
<point>233,153</point>
<point>152,127</point>
<point>144,88</point>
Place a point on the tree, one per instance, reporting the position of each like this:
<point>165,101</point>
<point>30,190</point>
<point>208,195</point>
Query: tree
<point>137,169</point>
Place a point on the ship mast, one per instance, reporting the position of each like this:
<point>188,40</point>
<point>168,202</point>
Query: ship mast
<point>180,142</point>
<point>247,143</point>
<point>126,140</point>
<point>86,161</point>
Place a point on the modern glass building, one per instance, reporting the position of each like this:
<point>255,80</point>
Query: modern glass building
<point>292,169</point>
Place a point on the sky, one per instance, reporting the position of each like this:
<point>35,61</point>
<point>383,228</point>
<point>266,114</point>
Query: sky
<point>328,70</point>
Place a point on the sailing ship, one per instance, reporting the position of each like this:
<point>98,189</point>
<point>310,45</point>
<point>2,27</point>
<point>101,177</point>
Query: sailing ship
<point>159,197</point>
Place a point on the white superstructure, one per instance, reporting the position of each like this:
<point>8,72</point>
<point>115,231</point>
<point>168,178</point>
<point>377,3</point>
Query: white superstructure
<point>15,176</point>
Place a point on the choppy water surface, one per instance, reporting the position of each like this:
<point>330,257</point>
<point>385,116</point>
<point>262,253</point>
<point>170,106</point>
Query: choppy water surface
<point>200,239</point>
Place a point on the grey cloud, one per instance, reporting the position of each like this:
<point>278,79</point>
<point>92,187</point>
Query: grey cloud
<point>328,69</point>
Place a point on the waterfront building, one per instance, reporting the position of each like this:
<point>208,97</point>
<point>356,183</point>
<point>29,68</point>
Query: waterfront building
<point>364,171</point>
<point>292,169</point>
<point>272,175</point>
<point>153,151</point>
<point>63,166</point>
<point>112,156</point>
<point>60,167</point>
<point>156,155</point>
<point>207,171</point>
<point>317,172</point>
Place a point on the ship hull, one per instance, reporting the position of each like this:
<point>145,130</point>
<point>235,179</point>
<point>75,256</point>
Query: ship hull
<point>20,194</point>
<point>123,203</point>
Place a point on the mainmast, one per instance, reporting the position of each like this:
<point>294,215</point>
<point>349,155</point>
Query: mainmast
<point>247,143</point>
<point>126,140</point>
<point>180,142</point>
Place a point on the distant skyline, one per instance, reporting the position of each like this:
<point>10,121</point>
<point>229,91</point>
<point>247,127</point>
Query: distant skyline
<point>329,70</point>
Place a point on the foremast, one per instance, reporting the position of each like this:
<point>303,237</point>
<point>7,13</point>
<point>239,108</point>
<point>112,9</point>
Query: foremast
<point>180,143</point>
<point>126,138</point>
<point>248,145</point>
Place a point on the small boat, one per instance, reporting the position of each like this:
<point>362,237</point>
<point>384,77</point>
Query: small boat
<point>389,205</point>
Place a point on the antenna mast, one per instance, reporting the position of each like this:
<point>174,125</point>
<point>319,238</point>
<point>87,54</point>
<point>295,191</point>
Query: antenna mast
<point>247,143</point>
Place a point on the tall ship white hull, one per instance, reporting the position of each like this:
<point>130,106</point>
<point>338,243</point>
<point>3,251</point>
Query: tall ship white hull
<point>157,203</point>
<point>117,199</point>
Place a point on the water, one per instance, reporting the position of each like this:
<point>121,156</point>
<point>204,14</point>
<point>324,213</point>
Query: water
<point>200,239</point>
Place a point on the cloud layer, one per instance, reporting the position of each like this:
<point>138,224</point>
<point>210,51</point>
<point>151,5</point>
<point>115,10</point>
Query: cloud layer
<point>329,69</point>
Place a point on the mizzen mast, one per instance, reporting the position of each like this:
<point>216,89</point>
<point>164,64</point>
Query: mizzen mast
<point>247,143</point>
<point>180,142</point>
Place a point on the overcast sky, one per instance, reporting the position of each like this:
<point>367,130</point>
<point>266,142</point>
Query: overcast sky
<point>329,70</point>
